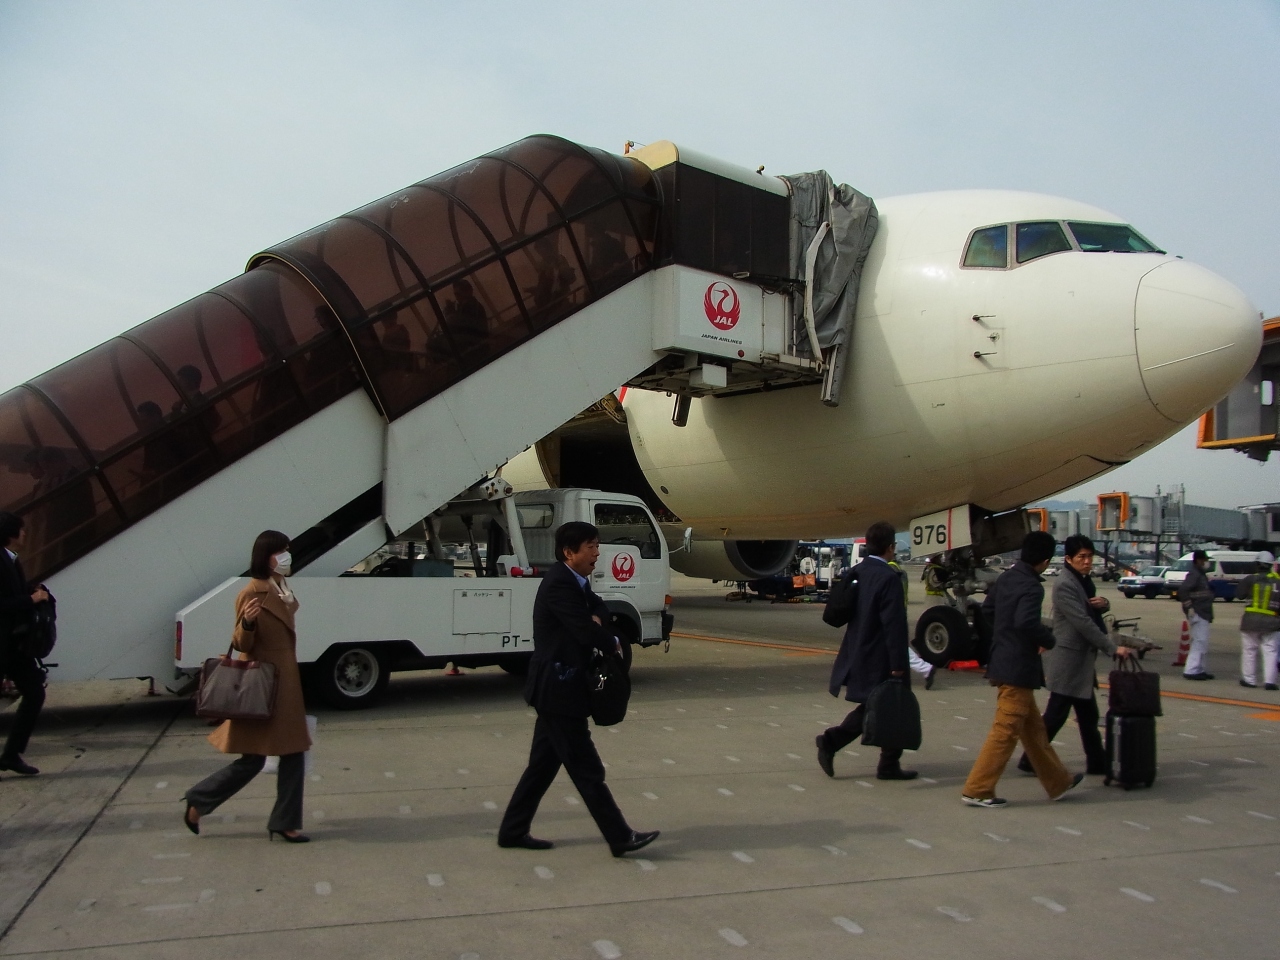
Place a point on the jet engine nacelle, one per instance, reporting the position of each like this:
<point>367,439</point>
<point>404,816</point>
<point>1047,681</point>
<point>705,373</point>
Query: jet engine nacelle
<point>735,559</point>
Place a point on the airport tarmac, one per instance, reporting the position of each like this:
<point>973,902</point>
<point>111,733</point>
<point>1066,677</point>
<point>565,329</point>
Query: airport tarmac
<point>760,853</point>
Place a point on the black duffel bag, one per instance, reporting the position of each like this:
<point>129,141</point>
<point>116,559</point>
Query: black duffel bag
<point>38,634</point>
<point>842,600</point>
<point>610,688</point>
<point>892,720</point>
<point>1134,692</point>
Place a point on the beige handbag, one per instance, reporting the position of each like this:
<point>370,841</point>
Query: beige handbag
<point>236,689</point>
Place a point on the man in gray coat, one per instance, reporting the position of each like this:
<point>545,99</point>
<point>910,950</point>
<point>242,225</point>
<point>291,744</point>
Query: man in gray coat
<point>1070,667</point>
<point>1197,604</point>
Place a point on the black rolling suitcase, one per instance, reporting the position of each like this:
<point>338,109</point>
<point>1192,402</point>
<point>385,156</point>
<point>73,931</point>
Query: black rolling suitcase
<point>1131,751</point>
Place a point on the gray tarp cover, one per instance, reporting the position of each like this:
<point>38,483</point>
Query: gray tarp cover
<point>815,199</point>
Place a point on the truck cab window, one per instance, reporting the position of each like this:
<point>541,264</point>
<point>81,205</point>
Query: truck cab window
<point>535,516</point>
<point>622,524</point>
<point>1040,239</point>
<point>988,247</point>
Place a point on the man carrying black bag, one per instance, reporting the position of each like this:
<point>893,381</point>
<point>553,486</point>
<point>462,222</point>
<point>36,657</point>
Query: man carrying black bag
<point>17,609</point>
<point>568,630</point>
<point>874,649</point>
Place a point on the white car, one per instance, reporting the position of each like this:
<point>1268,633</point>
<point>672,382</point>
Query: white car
<point>1149,583</point>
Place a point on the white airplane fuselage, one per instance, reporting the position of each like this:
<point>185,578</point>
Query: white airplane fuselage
<point>996,387</point>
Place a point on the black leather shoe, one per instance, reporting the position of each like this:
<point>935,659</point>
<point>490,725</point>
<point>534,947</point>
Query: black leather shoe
<point>288,837</point>
<point>18,765</point>
<point>527,842</point>
<point>898,774</point>
<point>1197,676</point>
<point>637,841</point>
<point>826,759</point>
<point>1251,686</point>
<point>1025,765</point>
<point>1271,686</point>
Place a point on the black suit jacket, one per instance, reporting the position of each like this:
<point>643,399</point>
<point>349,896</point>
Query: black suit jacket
<point>1012,607</point>
<point>564,636</point>
<point>875,642</point>
<point>15,598</point>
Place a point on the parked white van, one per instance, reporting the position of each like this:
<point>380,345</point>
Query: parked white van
<point>1225,569</point>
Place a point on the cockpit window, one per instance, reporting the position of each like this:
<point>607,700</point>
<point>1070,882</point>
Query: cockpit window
<point>1040,239</point>
<point>988,247</point>
<point>1110,238</point>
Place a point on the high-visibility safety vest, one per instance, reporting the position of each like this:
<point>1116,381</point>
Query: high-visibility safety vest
<point>1260,602</point>
<point>902,575</point>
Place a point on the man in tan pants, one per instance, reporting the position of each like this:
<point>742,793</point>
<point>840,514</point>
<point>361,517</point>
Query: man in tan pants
<point>1017,637</point>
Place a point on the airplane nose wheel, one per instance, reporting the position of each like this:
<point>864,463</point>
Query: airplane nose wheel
<point>943,634</point>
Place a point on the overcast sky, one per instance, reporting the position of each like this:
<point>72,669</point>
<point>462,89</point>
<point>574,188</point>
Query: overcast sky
<point>148,149</point>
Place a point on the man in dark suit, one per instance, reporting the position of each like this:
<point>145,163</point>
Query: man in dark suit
<point>873,650</point>
<point>17,602</point>
<point>568,627</point>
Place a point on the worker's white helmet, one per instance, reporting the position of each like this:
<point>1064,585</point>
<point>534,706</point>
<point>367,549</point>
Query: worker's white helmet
<point>1266,557</point>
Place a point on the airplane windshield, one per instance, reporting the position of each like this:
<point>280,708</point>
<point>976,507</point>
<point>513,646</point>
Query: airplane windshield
<point>1111,238</point>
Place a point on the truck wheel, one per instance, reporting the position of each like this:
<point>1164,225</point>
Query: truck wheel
<point>351,678</point>
<point>1128,594</point>
<point>943,634</point>
<point>1152,592</point>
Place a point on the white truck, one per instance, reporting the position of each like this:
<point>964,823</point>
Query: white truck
<point>421,613</point>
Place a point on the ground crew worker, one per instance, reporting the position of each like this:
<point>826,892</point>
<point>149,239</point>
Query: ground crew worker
<point>917,662</point>
<point>1197,604</point>
<point>933,574</point>
<point>1260,625</point>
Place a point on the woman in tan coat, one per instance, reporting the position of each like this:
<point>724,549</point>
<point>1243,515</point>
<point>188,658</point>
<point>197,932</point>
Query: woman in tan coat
<point>264,631</point>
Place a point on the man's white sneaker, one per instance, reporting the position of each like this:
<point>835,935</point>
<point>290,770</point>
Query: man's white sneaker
<point>984,801</point>
<point>1075,782</point>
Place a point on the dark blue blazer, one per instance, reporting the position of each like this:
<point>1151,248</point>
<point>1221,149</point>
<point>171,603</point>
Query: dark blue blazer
<point>15,598</point>
<point>875,641</point>
<point>564,636</point>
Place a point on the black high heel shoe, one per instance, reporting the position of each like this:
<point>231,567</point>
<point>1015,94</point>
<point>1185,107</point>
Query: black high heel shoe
<point>186,819</point>
<point>296,838</point>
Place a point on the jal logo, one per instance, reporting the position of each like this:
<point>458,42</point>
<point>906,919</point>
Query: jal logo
<point>722,306</point>
<point>624,567</point>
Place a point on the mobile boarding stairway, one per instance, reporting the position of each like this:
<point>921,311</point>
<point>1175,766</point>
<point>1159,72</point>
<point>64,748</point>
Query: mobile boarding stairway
<point>357,377</point>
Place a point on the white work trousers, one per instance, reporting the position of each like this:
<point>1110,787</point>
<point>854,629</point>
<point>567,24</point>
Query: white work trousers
<point>1249,644</point>
<point>1199,644</point>
<point>919,664</point>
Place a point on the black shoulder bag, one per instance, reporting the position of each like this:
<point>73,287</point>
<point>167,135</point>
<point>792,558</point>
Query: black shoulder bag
<point>610,688</point>
<point>842,599</point>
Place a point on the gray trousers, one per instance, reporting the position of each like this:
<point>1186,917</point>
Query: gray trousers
<point>214,790</point>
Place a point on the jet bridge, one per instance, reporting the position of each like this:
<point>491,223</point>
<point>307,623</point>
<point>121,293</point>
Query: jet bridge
<point>357,377</point>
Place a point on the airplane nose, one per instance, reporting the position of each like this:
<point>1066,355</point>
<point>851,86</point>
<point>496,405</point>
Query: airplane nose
<point>1197,336</point>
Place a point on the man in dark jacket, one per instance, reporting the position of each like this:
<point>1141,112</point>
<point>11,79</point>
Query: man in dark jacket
<point>568,629</point>
<point>17,602</point>
<point>1197,605</point>
<point>874,649</point>
<point>1018,635</point>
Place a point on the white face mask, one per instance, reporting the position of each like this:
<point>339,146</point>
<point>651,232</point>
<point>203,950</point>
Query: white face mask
<point>284,563</point>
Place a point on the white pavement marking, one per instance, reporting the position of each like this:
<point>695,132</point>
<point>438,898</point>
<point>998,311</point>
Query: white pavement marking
<point>834,851</point>
<point>928,780</point>
<point>721,726</point>
<point>206,896</point>
<point>852,753</point>
<point>667,760</point>
<point>1199,763</point>
<point>1246,760</point>
<point>1138,895</point>
<point>1048,904</point>
<point>796,787</point>
<point>996,837</point>
<point>489,805</point>
<point>1069,830</point>
<point>435,879</point>
<point>956,746</point>
<point>844,923</point>
<point>1189,736</point>
<point>324,888</point>
<point>743,856</point>
<point>161,907</point>
<point>572,801</point>
<point>135,825</point>
<point>862,783</point>
<point>464,772</point>
<point>1194,819</point>
<point>670,729</point>
<point>724,791</point>
<point>919,843</point>
<point>683,710</point>
<point>169,856</point>
<point>772,724</point>
<point>315,778</point>
<point>162,785</point>
<point>961,718</point>
<point>607,949</point>
<point>1218,885</point>
<point>734,937</point>
<point>649,796</point>
<point>1261,816</point>
<point>1134,823</point>
<point>544,873</point>
<point>318,814</point>
<point>732,759</point>
<point>84,906</point>
<point>956,915</point>
<point>405,808</point>
<point>646,866</point>
<point>228,818</point>
<point>794,756</point>
<point>161,880</point>
<point>390,774</point>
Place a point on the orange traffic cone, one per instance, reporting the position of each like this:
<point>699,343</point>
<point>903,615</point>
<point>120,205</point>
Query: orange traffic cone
<point>1184,646</point>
